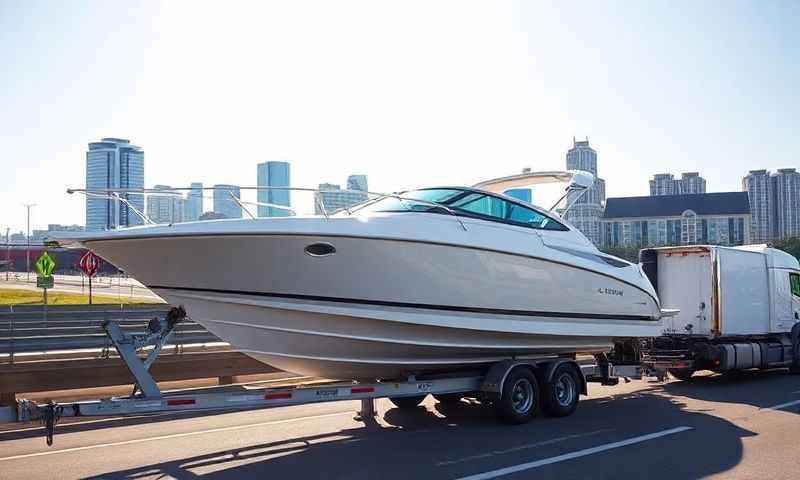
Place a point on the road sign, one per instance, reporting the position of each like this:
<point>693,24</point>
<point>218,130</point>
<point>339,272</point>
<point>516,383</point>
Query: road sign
<point>44,265</point>
<point>89,263</point>
<point>44,282</point>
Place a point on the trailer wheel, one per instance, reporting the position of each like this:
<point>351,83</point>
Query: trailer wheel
<point>560,395</point>
<point>681,373</point>
<point>407,402</point>
<point>519,400</point>
<point>448,398</point>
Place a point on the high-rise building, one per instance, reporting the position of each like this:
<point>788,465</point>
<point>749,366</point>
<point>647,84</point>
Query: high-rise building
<point>274,174</point>
<point>356,184</point>
<point>334,199</point>
<point>224,204</point>
<point>759,187</point>
<point>587,207</point>
<point>666,184</point>
<point>524,194</point>
<point>113,163</point>
<point>775,200</point>
<point>194,203</point>
<point>692,183</point>
<point>167,207</point>
<point>786,186</point>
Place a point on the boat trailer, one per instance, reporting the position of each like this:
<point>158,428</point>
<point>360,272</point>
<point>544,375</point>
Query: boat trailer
<point>146,397</point>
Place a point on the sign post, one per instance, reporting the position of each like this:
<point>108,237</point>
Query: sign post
<point>89,264</point>
<point>44,267</point>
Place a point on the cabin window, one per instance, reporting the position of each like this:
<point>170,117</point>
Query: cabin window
<point>468,203</point>
<point>794,281</point>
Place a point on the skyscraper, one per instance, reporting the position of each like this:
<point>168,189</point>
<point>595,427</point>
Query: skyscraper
<point>692,183</point>
<point>666,184</point>
<point>334,199</point>
<point>166,208</point>
<point>113,163</point>
<point>224,204</point>
<point>194,203</point>
<point>587,209</point>
<point>273,174</point>
<point>357,183</point>
<point>759,187</point>
<point>786,188</point>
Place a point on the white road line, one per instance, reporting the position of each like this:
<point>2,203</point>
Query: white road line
<point>781,406</point>
<point>575,454</point>
<point>176,435</point>
<point>523,447</point>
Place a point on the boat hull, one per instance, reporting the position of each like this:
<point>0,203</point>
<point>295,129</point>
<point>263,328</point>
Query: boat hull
<point>383,307</point>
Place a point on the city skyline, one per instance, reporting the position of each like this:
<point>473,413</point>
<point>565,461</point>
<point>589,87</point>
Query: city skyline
<point>488,91</point>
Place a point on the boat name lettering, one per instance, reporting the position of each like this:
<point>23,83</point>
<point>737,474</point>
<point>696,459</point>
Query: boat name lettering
<point>609,291</point>
<point>424,387</point>
<point>328,392</point>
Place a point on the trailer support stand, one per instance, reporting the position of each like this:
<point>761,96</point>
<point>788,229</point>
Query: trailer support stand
<point>367,412</point>
<point>158,334</point>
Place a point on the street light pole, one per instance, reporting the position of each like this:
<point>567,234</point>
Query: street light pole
<point>28,206</point>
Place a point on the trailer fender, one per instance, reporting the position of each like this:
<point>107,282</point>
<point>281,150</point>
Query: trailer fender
<point>496,375</point>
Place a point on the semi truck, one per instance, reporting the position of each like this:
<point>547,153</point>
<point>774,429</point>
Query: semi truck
<point>739,309</point>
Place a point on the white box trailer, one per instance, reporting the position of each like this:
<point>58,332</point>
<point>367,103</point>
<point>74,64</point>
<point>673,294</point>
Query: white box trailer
<point>739,307</point>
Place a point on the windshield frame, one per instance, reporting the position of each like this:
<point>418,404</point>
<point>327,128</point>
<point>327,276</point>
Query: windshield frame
<point>560,226</point>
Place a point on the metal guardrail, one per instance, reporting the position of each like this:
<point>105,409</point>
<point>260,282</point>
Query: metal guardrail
<point>80,327</point>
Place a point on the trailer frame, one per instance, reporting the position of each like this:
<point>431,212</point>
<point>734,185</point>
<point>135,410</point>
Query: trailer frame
<point>487,384</point>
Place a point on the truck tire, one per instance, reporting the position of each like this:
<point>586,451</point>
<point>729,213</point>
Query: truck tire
<point>561,394</point>
<point>682,373</point>
<point>795,337</point>
<point>407,402</point>
<point>520,398</point>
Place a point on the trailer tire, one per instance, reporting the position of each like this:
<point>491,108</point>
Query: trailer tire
<point>519,400</point>
<point>683,374</point>
<point>407,402</point>
<point>561,394</point>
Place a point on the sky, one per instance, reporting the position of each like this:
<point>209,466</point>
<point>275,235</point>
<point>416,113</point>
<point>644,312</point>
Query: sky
<point>412,94</point>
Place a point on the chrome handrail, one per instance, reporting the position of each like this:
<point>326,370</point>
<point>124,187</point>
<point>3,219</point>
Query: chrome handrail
<point>114,194</point>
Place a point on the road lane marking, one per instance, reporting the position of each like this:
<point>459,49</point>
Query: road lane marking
<point>780,406</point>
<point>572,455</point>
<point>523,447</point>
<point>175,435</point>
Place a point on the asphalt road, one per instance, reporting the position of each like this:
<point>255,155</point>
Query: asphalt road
<point>739,427</point>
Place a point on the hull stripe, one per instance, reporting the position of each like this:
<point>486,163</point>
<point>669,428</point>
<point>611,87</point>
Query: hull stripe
<point>426,306</point>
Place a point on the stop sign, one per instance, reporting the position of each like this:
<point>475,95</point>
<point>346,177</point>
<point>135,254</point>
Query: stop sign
<point>89,263</point>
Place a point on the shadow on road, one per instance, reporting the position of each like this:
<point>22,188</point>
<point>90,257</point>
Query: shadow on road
<point>453,441</point>
<point>738,387</point>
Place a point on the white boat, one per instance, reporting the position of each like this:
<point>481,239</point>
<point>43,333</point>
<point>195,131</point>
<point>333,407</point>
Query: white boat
<point>458,278</point>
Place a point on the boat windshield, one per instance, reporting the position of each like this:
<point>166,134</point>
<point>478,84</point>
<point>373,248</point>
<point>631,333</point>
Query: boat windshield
<point>466,203</point>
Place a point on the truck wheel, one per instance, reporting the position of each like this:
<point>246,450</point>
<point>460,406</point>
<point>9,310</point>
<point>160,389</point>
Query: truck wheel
<point>681,373</point>
<point>560,395</point>
<point>519,401</point>
<point>407,402</point>
<point>448,398</point>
